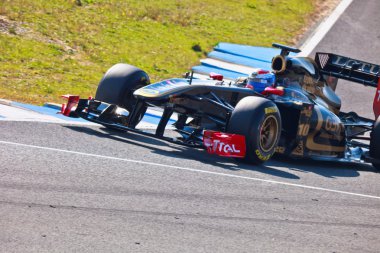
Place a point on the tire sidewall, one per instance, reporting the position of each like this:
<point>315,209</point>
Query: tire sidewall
<point>253,140</point>
<point>137,80</point>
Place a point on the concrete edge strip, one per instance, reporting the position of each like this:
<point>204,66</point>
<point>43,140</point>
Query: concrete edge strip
<point>5,102</point>
<point>56,120</point>
<point>325,26</point>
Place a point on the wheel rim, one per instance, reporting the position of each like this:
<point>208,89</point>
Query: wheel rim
<point>268,133</point>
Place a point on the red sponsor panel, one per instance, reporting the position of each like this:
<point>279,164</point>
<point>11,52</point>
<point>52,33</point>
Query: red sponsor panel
<point>376,101</point>
<point>223,144</point>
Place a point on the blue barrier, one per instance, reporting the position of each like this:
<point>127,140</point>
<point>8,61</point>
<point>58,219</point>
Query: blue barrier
<point>244,55</point>
<point>264,54</point>
<point>205,69</point>
<point>240,60</point>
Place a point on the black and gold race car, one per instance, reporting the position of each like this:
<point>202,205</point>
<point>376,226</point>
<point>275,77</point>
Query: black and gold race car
<point>292,110</point>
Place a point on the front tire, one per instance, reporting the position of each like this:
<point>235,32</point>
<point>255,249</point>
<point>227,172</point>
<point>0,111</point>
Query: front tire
<point>258,119</point>
<point>374,149</point>
<point>119,83</point>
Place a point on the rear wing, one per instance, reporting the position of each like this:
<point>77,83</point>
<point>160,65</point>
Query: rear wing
<point>352,70</point>
<point>349,69</point>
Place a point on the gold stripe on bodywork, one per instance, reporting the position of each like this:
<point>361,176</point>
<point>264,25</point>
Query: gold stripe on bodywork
<point>310,144</point>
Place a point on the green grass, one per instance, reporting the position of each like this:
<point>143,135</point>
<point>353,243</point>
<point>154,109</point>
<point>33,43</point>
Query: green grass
<point>56,47</point>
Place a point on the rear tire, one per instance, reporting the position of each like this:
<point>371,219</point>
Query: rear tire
<point>374,148</point>
<point>258,119</point>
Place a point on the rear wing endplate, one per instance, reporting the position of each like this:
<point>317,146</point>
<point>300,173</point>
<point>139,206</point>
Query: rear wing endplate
<point>352,70</point>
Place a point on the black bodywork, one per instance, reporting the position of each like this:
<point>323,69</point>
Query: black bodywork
<point>312,124</point>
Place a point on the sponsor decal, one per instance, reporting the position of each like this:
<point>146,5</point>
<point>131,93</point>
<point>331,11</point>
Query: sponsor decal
<point>261,156</point>
<point>223,144</point>
<point>303,129</point>
<point>299,150</point>
<point>280,150</point>
<point>333,126</point>
<point>220,146</point>
<point>160,88</point>
<point>269,110</point>
<point>312,145</point>
<point>150,91</point>
<point>304,121</point>
<point>362,66</point>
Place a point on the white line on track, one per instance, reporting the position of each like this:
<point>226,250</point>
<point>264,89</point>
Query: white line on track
<point>320,32</point>
<point>166,166</point>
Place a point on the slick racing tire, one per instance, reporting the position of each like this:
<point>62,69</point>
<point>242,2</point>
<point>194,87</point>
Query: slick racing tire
<point>374,148</point>
<point>118,84</point>
<point>258,119</point>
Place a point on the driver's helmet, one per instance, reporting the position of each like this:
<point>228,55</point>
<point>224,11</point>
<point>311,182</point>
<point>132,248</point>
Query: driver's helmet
<point>259,80</point>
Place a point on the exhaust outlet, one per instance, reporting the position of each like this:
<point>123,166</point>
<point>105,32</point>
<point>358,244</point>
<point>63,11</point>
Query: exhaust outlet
<point>279,64</point>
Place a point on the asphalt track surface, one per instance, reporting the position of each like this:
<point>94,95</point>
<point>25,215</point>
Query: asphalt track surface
<point>81,188</point>
<point>66,188</point>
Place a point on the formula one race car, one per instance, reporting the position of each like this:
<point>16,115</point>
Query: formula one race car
<point>292,110</point>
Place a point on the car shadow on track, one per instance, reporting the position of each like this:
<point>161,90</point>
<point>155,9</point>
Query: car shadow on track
<point>274,167</point>
<point>330,169</point>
